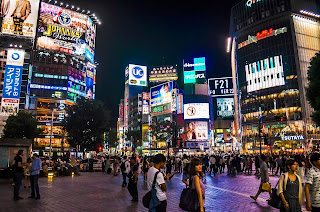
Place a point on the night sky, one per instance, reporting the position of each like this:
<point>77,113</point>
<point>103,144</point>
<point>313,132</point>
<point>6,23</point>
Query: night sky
<point>156,33</point>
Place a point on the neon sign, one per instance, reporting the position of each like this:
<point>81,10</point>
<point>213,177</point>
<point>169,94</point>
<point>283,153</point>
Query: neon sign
<point>262,35</point>
<point>250,2</point>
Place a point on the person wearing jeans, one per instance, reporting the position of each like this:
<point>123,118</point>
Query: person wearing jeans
<point>18,174</point>
<point>34,177</point>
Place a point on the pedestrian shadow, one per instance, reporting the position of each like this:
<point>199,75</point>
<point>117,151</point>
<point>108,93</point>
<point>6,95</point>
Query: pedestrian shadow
<point>133,207</point>
<point>261,207</point>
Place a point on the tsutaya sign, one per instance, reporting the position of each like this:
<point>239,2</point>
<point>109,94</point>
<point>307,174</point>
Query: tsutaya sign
<point>250,2</point>
<point>292,138</point>
<point>262,35</point>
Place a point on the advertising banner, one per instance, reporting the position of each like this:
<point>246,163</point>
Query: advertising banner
<point>13,74</point>
<point>196,111</point>
<point>195,64</point>
<point>62,30</point>
<point>163,73</point>
<point>197,130</point>
<point>161,109</point>
<point>174,100</point>
<point>9,106</point>
<point>194,77</point>
<point>19,17</point>
<point>145,132</point>
<point>221,86</point>
<point>200,145</point>
<point>89,83</point>
<point>145,103</point>
<point>225,107</point>
<point>137,75</point>
<point>90,40</point>
<point>180,104</point>
<point>161,94</point>
<point>121,113</point>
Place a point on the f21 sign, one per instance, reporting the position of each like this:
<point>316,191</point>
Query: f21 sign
<point>221,86</point>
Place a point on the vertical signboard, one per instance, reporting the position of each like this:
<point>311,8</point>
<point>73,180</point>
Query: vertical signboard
<point>90,82</point>
<point>90,40</point>
<point>180,104</point>
<point>12,82</point>
<point>194,71</point>
<point>19,17</point>
<point>145,103</point>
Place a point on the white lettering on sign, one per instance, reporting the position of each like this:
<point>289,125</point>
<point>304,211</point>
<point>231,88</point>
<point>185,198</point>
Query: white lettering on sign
<point>250,2</point>
<point>292,138</point>
<point>192,65</point>
<point>198,76</point>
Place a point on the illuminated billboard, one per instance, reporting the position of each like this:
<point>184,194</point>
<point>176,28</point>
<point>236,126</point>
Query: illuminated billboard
<point>265,73</point>
<point>161,109</point>
<point>221,86</point>
<point>137,75</point>
<point>90,40</point>
<point>195,64</point>
<point>194,77</point>
<point>163,73</point>
<point>197,130</point>
<point>225,107</point>
<point>161,94</point>
<point>90,83</point>
<point>62,30</point>
<point>19,17</point>
<point>145,103</point>
<point>196,111</point>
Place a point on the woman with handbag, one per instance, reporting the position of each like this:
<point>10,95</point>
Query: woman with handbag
<point>290,188</point>
<point>196,175</point>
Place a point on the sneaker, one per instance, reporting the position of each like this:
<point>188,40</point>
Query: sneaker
<point>31,197</point>
<point>38,197</point>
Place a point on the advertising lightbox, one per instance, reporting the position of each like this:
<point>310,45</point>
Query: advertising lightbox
<point>161,109</point>
<point>90,40</point>
<point>195,64</point>
<point>145,103</point>
<point>265,73</point>
<point>197,130</point>
<point>221,86</point>
<point>62,30</point>
<point>137,75</point>
<point>194,77</point>
<point>19,18</point>
<point>89,83</point>
<point>161,94</point>
<point>163,73</point>
<point>225,107</point>
<point>196,111</point>
<point>180,104</point>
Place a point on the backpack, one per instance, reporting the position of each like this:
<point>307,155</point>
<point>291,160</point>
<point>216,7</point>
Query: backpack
<point>189,199</point>
<point>150,199</point>
<point>123,166</point>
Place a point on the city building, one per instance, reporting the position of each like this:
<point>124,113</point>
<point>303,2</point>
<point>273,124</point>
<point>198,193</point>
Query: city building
<point>272,44</point>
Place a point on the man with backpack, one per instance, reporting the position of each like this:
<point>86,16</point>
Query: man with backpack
<point>159,162</point>
<point>125,169</point>
<point>133,179</point>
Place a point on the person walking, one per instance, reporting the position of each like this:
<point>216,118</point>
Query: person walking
<point>195,180</point>
<point>159,161</point>
<point>279,165</point>
<point>18,174</point>
<point>133,179</point>
<point>212,165</point>
<point>264,176</point>
<point>257,164</point>
<point>34,177</point>
<point>125,169</point>
<point>290,188</point>
<point>313,184</point>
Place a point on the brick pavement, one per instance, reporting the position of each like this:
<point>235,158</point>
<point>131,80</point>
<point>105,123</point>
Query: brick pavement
<point>103,192</point>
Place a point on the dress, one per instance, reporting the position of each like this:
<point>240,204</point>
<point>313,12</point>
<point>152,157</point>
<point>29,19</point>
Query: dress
<point>292,196</point>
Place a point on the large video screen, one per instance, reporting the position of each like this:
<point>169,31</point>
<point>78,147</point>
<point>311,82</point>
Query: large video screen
<point>161,94</point>
<point>19,17</point>
<point>197,130</point>
<point>225,107</point>
<point>63,30</point>
<point>265,73</point>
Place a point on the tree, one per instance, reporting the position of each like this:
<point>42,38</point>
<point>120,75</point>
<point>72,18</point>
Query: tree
<point>136,135</point>
<point>85,123</point>
<point>112,139</point>
<point>163,131</point>
<point>21,125</point>
<point>313,91</point>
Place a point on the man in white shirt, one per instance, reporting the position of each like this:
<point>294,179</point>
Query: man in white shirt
<point>212,164</point>
<point>159,162</point>
<point>125,170</point>
<point>312,188</point>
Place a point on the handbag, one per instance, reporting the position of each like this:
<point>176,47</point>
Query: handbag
<point>266,187</point>
<point>275,201</point>
<point>189,200</point>
<point>150,199</point>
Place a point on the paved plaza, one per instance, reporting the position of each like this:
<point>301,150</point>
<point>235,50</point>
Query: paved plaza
<point>103,192</point>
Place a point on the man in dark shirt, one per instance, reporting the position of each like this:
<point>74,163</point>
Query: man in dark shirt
<point>133,179</point>
<point>18,174</point>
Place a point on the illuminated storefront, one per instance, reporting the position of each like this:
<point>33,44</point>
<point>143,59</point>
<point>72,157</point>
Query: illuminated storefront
<point>274,44</point>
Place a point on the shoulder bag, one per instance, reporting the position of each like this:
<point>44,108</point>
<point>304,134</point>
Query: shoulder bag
<point>150,199</point>
<point>189,200</point>
<point>275,200</point>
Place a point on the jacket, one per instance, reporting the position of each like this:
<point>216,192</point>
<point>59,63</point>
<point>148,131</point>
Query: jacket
<point>283,184</point>
<point>25,9</point>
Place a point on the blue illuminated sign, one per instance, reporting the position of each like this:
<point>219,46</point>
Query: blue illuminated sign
<point>48,87</point>
<point>12,82</point>
<point>195,64</point>
<point>137,72</point>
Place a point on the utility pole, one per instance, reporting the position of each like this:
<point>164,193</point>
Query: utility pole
<point>260,133</point>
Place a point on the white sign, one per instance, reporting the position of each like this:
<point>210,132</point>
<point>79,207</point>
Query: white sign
<point>15,57</point>
<point>292,138</point>
<point>9,106</point>
<point>137,75</point>
<point>196,111</point>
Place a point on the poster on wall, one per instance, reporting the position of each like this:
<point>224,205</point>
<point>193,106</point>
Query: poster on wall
<point>197,130</point>
<point>62,30</point>
<point>196,111</point>
<point>161,94</point>
<point>225,107</point>
<point>19,17</point>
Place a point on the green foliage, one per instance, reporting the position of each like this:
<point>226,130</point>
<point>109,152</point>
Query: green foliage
<point>112,139</point>
<point>85,123</point>
<point>313,91</point>
<point>21,125</point>
<point>162,130</point>
<point>136,135</point>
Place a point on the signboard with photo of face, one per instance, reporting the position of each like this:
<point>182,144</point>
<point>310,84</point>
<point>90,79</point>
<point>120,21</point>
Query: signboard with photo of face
<point>19,17</point>
<point>197,130</point>
<point>161,94</point>
<point>62,30</point>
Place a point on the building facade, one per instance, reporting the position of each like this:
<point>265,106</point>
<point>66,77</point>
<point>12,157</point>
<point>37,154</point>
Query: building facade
<point>273,42</point>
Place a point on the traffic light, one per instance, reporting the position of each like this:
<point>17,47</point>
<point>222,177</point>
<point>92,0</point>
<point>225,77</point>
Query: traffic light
<point>266,142</point>
<point>100,149</point>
